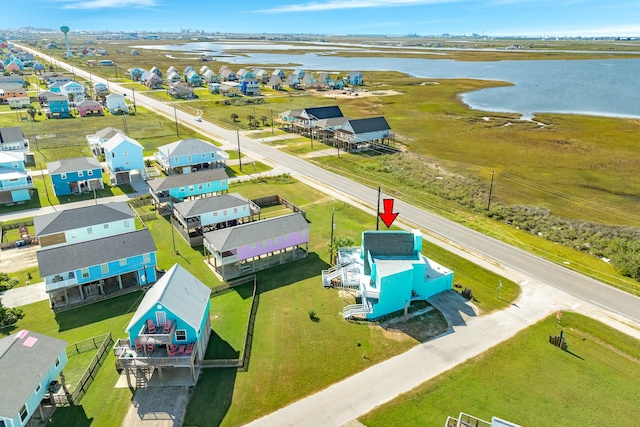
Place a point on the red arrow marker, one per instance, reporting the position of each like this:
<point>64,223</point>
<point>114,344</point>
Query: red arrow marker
<point>388,216</point>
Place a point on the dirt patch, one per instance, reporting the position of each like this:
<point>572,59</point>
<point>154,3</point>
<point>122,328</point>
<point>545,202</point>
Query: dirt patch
<point>342,94</point>
<point>18,259</point>
<point>422,327</point>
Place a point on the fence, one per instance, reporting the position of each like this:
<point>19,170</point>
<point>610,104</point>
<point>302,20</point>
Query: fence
<point>137,203</point>
<point>243,360</point>
<point>191,240</point>
<point>277,200</point>
<point>89,374</point>
<point>27,240</point>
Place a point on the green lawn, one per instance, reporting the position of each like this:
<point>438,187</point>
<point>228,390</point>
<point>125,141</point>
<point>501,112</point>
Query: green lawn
<point>528,381</point>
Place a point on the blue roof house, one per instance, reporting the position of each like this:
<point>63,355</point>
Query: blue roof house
<point>123,155</point>
<point>250,87</point>
<point>171,327</point>
<point>29,363</point>
<point>390,272</point>
<point>75,176</point>
<point>15,180</point>
<point>193,78</point>
<point>187,155</point>
<point>100,87</point>
<point>355,78</point>
<point>79,273</point>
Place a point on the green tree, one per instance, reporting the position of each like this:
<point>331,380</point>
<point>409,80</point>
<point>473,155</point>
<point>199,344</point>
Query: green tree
<point>263,119</point>
<point>234,117</point>
<point>32,112</point>
<point>7,282</point>
<point>338,242</point>
<point>9,316</point>
<point>250,119</point>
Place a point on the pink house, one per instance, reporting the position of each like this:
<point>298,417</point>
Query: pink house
<point>89,108</point>
<point>257,245</point>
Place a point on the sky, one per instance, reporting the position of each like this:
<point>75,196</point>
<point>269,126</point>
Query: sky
<point>391,17</point>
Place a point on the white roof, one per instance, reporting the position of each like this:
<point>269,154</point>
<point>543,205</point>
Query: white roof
<point>118,139</point>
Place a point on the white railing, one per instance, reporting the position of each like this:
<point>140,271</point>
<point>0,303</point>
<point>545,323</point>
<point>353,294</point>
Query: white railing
<point>60,284</point>
<point>356,310</point>
<point>332,273</point>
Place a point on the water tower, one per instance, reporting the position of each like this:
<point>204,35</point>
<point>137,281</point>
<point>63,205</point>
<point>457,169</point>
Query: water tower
<point>65,30</point>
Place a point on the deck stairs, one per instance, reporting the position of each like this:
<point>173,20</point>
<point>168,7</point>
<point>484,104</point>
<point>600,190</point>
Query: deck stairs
<point>345,275</point>
<point>357,310</point>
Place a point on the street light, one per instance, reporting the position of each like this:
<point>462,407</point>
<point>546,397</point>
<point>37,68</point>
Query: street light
<point>175,115</point>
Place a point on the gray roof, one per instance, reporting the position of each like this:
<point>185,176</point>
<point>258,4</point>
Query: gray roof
<point>108,133</point>
<point>182,180</point>
<point>245,234</point>
<point>179,291</point>
<point>204,205</point>
<point>371,124</point>
<point>61,259</point>
<point>11,134</point>
<point>72,219</point>
<point>22,366</point>
<point>319,113</point>
<point>387,243</point>
<point>188,147</point>
<point>73,165</point>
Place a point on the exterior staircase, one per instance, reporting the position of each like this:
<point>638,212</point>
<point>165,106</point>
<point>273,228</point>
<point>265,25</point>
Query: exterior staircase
<point>360,310</point>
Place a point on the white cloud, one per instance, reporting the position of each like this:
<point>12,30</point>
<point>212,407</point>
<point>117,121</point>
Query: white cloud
<point>349,4</point>
<point>101,4</point>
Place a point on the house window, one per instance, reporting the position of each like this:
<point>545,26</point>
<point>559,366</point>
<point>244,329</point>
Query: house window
<point>175,160</point>
<point>182,189</point>
<point>113,155</point>
<point>215,214</point>
<point>24,413</point>
<point>90,173</point>
<point>106,226</point>
<point>80,173</point>
<point>85,273</point>
<point>200,187</point>
<point>89,231</point>
<point>146,258</point>
<point>191,188</point>
<point>63,176</point>
<point>204,155</point>
<point>275,240</point>
<point>213,155</point>
<point>104,268</point>
<point>126,223</point>
<point>122,262</point>
<point>181,335</point>
<point>253,245</point>
<point>57,362</point>
<point>15,165</point>
<point>265,243</point>
<point>223,182</point>
<point>235,210</point>
<point>126,153</point>
<point>208,185</point>
<point>286,237</point>
<point>38,388</point>
<point>14,180</point>
<point>127,163</point>
<point>188,158</point>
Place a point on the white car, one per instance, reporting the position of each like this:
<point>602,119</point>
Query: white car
<point>198,119</point>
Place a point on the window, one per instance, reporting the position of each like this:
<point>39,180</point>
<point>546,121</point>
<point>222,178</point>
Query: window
<point>127,224</point>
<point>235,210</point>
<point>175,160</point>
<point>146,258</point>
<point>213,155</point>
<point>24,413</point>
<point>204,155</point>
<point>191,188</point>
<point>80,174</point>
<point>63,176</point>
<point>208,185</point>
<point>122,262</point>
<point>57,362</point>
<point>265,243</point>
<point>15,165</point>
<point>188,158</point>
<point>89,230</point>
<point>182,189</point>
<point>104,268</point>
<point>113,155</point>
<point>223,182</point>
<point>126,153</point>
<point>253,246</point>
<point>106,226</point>
<point>181,335</point>
<point>85,273</point>
<point>127,163</point>
<point>38,388</point>
<point>200,187</point>
<point>14,180</point>
<point>215,214</point>
<point>90,173</point>
<point>275,240</point>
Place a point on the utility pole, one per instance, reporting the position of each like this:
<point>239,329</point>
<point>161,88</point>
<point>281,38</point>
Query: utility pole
<point>333,225</point>
<point>134,99</point>
<point>499,287</point>
<point>239,153</point>
<point>490,190</point>
<point>35,137</point>
<point>272,122</point>
<point>378,212</point>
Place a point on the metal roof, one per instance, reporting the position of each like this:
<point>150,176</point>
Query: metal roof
<point>188,147</point>
<point>73,165</point>
<point>204,205</point>
<point>72,219</point>
<point>11,134</point>
<point>252,232</point>
<point>24,357</point>
<point>185,179</point>
<point>181,293</point>
<point>62,259</point>
<point>371,124</point>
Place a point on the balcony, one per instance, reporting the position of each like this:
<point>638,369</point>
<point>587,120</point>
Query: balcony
<point>59,282</point>
<point>128,357</point>
<point>157,338</point>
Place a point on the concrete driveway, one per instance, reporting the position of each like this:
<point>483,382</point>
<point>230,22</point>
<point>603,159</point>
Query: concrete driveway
<point>157,407</point>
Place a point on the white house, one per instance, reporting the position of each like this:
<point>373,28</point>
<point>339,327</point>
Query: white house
<point>74,88</point>
<point>117,104</point>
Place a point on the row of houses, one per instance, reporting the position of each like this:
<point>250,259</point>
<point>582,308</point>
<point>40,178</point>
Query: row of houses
<point>329,125</point>
<point>16,182</point>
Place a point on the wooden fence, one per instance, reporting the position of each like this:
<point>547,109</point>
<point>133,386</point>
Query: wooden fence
<point>29,240</point>
<point>193,241</point>
<point>243,360</point>
<point>89,375</point>
<point>277,200</point>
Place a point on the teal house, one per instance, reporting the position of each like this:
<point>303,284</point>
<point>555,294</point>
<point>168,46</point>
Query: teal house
<point>171,327</point>
<point>29,364</point>
<point>176,188</point>
<point>189,155</point>
<point>389,271</point>
<point>15,179</point>
<point>58,107</point>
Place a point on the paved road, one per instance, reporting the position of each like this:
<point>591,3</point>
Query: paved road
<point>474,242</point>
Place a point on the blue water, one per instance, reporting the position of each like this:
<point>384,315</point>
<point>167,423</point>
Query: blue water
<point>595,87</point>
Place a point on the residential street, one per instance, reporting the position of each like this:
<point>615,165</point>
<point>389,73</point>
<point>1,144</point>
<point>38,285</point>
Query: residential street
<point>546,287</point>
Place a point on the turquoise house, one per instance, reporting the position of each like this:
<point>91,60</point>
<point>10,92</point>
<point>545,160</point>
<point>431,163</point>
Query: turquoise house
<point>193,78</point>
<point>29,363</point>
<point>175,188</point>
<point>390,271</point>
<point>78,273</point>
<point>58,107</point>
<point>171,327</point>
<point>75,176</point>
<point>123,155</point>
<point>189,155</point>
<point>15,179</point>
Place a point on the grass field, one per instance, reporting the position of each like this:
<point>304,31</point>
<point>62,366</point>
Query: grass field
<point>528,381</point>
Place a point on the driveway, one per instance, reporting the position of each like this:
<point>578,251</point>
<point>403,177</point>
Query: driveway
<point>157,407</point>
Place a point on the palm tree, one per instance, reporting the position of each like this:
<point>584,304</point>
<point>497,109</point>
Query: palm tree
<point>234,117</point>
<point>263,119</point>
<point>250,118</point>
<point>32,112</point>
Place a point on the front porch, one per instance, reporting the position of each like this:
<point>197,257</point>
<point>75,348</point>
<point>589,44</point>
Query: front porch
<point>231,270</point>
